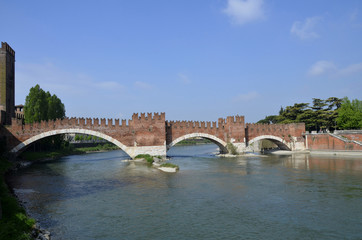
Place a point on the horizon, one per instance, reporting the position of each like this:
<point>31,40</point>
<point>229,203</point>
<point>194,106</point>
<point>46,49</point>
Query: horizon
<point>196,61</point>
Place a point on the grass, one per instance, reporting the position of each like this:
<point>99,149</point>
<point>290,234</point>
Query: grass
<point>147,157</point>
<point>14,223</point>
<point>170,165</point>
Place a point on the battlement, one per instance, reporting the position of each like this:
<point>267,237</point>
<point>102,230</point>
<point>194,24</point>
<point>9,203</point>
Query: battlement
<point>191,124</point>
<point>138,120</point>
<point>274,126</point>
<point>231,120</point>
<point>149,116</point>
<point>6,47</point>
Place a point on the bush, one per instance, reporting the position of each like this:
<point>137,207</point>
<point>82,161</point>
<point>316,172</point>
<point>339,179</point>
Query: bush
<point>14,223</point>
<point>170,165</point>
<point>147,157</point>
<point>232,149</point>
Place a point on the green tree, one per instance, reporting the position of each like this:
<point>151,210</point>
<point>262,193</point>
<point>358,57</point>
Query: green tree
<point>41,105</point>
<point>321,115</point>
<point>272,119</point>
<point>350,114</point>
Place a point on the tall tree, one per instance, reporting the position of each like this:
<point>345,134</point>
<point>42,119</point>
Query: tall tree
<point>321,115</point>
<point>41,105</point>
<point>350,114</point>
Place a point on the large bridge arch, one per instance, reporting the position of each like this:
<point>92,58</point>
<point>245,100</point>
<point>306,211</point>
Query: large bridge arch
<point>281,143</point>
<point>21,146</point>
<point>220,143</point>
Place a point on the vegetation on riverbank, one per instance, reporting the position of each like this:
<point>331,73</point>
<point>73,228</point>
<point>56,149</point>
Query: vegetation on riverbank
<point>33,156</point>
<point>169,165</point>
<point>332,113</point>
<point>14,222</point>
<point>147,157</point>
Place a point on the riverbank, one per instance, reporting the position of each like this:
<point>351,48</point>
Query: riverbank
<point>14,222</point>
<point>50,155</point>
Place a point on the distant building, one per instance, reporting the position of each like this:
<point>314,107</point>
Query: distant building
<point>19,111</point>
<point>7,84</point>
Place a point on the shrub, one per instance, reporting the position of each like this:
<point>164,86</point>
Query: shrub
<point>147,157</point>
<point>170,165</point>
<point>232,149</point>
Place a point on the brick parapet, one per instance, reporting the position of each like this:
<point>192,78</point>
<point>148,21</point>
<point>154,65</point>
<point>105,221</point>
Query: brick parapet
<point>325,141</point>
<point>231,128</point>
<point>281,130</point>
<point>141,130</point>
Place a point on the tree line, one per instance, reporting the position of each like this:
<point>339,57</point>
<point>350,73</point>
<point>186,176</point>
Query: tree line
<point>43,106</point>
<point>329,114</point>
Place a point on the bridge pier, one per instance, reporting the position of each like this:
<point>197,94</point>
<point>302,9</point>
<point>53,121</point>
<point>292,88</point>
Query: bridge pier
<point>151,150</point>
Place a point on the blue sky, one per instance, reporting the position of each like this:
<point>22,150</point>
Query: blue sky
<point>194,60</point>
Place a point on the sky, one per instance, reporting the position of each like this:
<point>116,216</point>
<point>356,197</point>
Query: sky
<point>193,60</point>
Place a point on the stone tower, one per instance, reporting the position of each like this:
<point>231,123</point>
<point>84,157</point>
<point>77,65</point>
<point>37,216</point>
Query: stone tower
<point>7,84</point>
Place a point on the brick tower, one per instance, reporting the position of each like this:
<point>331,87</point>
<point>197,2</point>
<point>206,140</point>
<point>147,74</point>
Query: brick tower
<point>7,84</point>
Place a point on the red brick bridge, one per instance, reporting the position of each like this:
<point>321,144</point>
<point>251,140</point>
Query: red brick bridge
<point>153,135</point>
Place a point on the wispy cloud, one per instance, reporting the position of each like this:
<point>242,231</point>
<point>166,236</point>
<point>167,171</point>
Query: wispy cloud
<point>329,68</point>
<point>244,11</point>
<point>306,29</point>
<point>78,91</point>
<point>184,79</point>
<point>143,85</point>
<point>353,16</point>
<point>246,97</point>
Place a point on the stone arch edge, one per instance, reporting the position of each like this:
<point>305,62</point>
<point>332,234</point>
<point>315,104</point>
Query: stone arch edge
<point>269,137</point>
<point>216,140</point>
<point>35,138</point>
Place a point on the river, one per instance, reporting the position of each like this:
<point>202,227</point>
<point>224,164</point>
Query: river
<point>101,196</point>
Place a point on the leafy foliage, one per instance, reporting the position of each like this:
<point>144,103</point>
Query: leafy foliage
<point>350,114</point>
<point>170,165</point>
<point>14,222</point>
<point>321,115</point>
<point>147,157</point>
<point>41,105</point>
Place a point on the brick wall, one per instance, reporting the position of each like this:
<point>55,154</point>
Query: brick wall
<point>233,127</point>
<point>283,131</point>
<point>324,141</point>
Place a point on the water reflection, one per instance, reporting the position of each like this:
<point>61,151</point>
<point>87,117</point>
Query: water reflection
<point>324,163</point>
<point>99,196</point>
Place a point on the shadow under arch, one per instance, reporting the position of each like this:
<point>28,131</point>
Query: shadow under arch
<point>22,146</point>
<point>276,140</point>
<point>220,143</point>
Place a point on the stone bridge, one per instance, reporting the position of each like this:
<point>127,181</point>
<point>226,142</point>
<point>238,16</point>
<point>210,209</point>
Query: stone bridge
<point>152,134</point>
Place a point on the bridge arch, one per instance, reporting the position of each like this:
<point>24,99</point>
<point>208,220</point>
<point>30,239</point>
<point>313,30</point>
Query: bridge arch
<point>220,143</point>
<point>281,143</point>
<point>21,146</point>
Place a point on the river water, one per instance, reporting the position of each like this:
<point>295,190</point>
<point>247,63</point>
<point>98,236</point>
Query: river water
<point>101,196</point>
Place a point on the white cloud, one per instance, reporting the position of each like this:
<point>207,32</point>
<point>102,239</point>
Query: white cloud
<point>143,85</point>
<point>184,79</point>
<point>243,11</point>
<point>306,30</point>
<point>322,67</point>
<point>79,92</point>
<point>246,97</point>
<point>353,16</point>
<point>329,68</point>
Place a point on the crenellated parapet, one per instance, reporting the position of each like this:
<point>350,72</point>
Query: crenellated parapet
<point>141,130</point>
<point>150,132</point>
<point>227,129</point>
<point>284,131</point>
